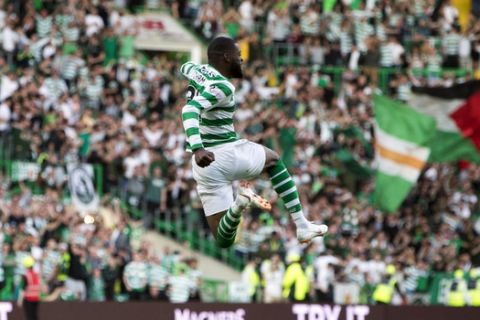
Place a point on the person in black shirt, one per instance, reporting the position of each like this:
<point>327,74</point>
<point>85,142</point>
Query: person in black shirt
<point>110,274</point>
<point>77,274</point>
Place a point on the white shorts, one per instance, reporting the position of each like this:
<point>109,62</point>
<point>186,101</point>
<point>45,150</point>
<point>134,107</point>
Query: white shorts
<point>239,160</point>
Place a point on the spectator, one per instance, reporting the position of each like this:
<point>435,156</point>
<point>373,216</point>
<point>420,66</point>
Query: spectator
<point>77,275</point>
<point>97,286</point>
<point>135,277</point>
<point>156,196</point>
<point>272,274</point>
<point>195,275</point>
<point>157,279</point>
<point>110,274</point>
<point>295,281</point>
<point>179,287</point>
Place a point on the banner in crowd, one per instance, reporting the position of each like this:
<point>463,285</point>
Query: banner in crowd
<point>25,171</point>
<point>82,188</point>
<point>215,311</point>
<point>401,149</point>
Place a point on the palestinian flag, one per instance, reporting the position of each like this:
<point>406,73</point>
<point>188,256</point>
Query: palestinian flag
<point>402,137</point>
<point>406,140</point>
<point>456,111</point>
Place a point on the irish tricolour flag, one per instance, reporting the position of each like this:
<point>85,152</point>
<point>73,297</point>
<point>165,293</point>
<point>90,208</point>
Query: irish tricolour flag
<point>437,124</point>
<point>402,136</point>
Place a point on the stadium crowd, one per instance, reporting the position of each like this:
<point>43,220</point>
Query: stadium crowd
<point>79,259</point>
<point>73,88</point>
<point>327,138</point>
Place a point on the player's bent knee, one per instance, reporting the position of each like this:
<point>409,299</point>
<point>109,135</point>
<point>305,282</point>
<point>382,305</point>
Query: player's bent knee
<point>271,158</point>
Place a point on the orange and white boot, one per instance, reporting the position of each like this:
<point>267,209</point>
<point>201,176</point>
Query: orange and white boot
<point>246,192</point>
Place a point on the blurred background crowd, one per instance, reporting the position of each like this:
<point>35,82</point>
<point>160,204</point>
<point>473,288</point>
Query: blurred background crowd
<point>74,89</point>
<point>100,259</point>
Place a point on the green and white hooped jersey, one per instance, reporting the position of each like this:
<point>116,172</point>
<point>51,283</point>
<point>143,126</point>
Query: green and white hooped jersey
<point>208,115</point>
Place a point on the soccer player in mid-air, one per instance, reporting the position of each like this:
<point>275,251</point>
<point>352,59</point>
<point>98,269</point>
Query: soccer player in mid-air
<point>220,157</point>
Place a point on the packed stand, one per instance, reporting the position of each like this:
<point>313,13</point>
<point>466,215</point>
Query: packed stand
<point>325,131</point>
<point>70,75</point>
<point>80,258</point>
<point>423,35</point>
<point>69,92</point>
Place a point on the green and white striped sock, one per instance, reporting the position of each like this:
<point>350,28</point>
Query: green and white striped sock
<point>284,185</point>
<point>227,228</point>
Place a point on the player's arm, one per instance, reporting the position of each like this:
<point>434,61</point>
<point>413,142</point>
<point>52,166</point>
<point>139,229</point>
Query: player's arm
<point>191,122</point>
<point>209,98</point>
<point>191,125</point>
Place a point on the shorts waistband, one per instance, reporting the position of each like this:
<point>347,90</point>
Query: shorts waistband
<point>228,144</point>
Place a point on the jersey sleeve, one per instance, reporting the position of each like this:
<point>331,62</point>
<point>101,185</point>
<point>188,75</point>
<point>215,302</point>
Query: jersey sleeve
<point>186,68</point>
<point>214,94</point>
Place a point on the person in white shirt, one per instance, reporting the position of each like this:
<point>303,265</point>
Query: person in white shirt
<point>246,12</point>
<point>464,50</point>
<point>10,39</point>
<point>8,85</point>
<point>353,58</point>
<point>272,273</point>
<point>153,133</point>
<point>5,116</point>
<point>179,287</point>
<point>195,276</point>
<point>397,50</point>
<point>93,22</point>
<point>376,267</point>
<point>450,13</point>
<point>324,275</point>
<point>135,277</point>
<point>278,25</point>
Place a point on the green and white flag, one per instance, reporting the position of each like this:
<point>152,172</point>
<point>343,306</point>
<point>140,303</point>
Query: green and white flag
<point>402,137</point>
<point>22,171</point>
<point>82,189</point>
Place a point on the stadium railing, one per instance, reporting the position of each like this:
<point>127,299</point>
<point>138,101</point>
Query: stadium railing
<point>286,54</point>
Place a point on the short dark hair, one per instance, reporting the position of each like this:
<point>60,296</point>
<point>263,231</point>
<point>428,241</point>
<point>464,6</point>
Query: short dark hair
<point>219,46</point>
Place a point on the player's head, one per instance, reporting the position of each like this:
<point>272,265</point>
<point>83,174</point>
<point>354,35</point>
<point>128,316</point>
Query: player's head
<point>224,54</point>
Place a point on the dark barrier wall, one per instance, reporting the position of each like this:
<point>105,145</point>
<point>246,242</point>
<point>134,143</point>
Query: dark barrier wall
<point>163,311</point>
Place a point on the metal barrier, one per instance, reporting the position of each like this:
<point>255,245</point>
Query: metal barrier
<point>284,54</point>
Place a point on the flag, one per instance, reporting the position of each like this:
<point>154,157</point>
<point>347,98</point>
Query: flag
<point>402,136</point>
<point>456,111</point>
<point>22,171</point>
<point>82,189</point>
